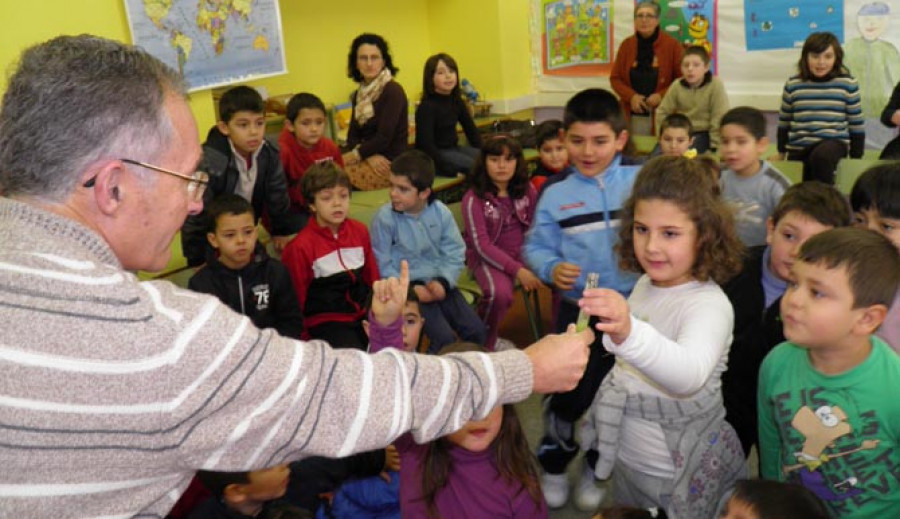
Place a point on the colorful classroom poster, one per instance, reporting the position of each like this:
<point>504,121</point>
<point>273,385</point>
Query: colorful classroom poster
<point>692,22</point>
<point>577,37</point>
<point>785,24</point>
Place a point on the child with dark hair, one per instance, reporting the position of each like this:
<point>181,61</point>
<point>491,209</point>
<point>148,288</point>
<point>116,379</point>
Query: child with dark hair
<point>574,234</point>
<point>331,261</point>
<point>674,136</point>
<point>441,108</point>
<point>749,182</point>
<point>658,417</point>
<point>804,210</point>
<point>828,406</point>
<point>303,143</point>
<point>821,117</point>
<point>761,499</point>
<point>875,199</point>
<point>416,228</point>
<point>552,154</point>
<point>240,160</point>
<point>700,96</point>
<point>238,495</point>
<point>242,275</point>
<point>497,211</point>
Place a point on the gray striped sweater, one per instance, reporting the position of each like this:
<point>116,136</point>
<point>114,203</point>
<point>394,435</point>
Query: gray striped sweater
<point>113,391</point>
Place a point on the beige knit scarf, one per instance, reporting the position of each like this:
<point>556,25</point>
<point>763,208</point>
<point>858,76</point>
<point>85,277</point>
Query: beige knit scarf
<point>368,94</point>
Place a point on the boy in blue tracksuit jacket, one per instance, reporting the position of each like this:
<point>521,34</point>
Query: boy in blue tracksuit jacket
<point>575,230</point>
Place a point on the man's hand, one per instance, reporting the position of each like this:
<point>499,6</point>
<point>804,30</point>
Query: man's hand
<point>895,118</point>
<point>437,290</point>
<point>612,309</point>
<point>653,100</point>
<point>558,361</point>
<point>389,296</point>
<point>564,275</point>
<point>351,158</point>
<point>528,280</point>
<point>280,242</point>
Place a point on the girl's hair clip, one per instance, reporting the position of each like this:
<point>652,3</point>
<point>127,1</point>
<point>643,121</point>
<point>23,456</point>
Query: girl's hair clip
<point>654,512</point>
<point>691,153</point>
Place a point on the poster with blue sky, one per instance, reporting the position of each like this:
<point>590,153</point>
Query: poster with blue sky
<point>785,24</point>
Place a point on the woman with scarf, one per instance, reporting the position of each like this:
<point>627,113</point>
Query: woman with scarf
<point>379,127</point>
<point>645,65</point>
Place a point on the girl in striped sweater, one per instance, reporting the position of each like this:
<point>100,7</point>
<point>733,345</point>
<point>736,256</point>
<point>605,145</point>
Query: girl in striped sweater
<point>821,116</point>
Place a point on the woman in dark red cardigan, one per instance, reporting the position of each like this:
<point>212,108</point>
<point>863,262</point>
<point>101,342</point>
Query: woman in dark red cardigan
<point>646,64</point>
<point>379,126</point>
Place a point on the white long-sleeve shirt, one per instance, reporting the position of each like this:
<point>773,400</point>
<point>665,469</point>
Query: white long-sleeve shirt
<point>678,344</point>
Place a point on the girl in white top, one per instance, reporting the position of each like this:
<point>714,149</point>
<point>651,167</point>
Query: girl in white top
<point>659,416</point>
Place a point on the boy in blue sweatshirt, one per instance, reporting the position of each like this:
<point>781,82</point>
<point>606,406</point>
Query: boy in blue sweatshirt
<point>575,230</point>
<point>415,227</point>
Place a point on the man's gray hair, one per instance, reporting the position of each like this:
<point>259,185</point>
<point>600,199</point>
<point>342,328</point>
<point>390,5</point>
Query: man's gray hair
<point>657,10</point>
<point>74,100</point>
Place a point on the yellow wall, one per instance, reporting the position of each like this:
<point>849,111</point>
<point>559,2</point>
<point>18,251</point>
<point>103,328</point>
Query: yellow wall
<point>489,39</point>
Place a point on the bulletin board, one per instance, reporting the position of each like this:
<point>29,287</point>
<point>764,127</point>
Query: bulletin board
<point>754,71</point>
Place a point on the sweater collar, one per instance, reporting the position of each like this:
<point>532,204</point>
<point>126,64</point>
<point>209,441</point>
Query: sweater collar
<point>61,232</point>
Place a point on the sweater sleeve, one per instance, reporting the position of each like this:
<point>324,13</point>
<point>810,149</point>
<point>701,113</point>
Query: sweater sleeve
<point>856,121</point>
<point>681,365</point>
<point>666,107</point>
<point>425,129</point>
<point>388,111</point>
<point>619,78</point>
<point>476,228</point>
<point>273,398</point>
<point>719,106</point>
<point>453,249</point>
<point>785,117</point>
<point>769,439</point>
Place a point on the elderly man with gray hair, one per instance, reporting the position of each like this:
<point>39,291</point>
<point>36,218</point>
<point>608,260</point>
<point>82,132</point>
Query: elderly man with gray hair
<point>114,391</point>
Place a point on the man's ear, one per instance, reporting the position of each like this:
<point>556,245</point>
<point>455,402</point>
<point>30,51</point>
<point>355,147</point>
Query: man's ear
<point>425,193</point>
<point>870,319</point>
<point>211,238</point>
<point>108,190</point>
<point>288,125</point>
<point>223,127</point>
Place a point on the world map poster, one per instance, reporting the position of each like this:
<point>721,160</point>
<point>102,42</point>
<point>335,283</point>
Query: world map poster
<point>211,42</point>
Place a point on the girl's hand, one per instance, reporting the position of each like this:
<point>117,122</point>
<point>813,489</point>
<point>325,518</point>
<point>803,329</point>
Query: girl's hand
<point>528,280</point>
<point>437,290</point>
<point>391,461</point>
<point>389,296</point>
<point>565,274</point>
<point>653,100</point>
<point>612,309</point>
<point>380,164</point>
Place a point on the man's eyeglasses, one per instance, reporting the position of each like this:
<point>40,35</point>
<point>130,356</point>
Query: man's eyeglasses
<point>196,183</point>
